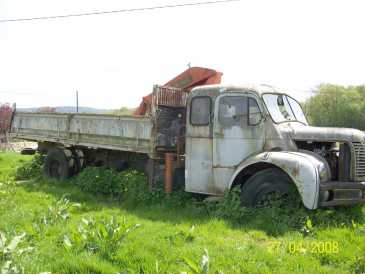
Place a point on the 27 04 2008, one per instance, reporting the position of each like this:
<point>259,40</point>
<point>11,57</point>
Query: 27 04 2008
<point>293,247</point>
<point>314,247</point>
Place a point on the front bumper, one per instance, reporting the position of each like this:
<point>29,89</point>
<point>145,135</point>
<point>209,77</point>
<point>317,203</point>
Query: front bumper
<point>341,193</point>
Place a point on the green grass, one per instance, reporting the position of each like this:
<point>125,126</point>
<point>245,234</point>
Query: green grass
<point>9,162</point>
<point>259,242</point>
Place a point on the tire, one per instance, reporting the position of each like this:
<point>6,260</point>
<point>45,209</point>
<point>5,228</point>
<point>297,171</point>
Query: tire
<point>28,151</point>
<point>56,165</point>
<point>265,186</point>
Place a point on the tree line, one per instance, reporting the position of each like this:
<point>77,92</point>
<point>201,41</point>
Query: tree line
<point>337,106</point>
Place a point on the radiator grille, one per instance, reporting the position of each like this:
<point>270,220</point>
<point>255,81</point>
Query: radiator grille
<point>360,159</point>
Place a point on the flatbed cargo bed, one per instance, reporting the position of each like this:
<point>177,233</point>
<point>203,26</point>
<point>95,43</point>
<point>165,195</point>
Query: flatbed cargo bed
<point>150,134</point>
<point>126,133</point>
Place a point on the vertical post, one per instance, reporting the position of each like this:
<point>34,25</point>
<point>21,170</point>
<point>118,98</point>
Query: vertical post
<point>77,101</point>
<point>169,161</point>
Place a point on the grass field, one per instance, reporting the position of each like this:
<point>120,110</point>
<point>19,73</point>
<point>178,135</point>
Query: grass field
<point>68,230</point>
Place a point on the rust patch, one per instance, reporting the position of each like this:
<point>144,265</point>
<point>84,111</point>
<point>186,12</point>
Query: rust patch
<point>296,171</point>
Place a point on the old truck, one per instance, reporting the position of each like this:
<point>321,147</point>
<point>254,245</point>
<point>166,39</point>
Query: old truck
<point>210,140</point>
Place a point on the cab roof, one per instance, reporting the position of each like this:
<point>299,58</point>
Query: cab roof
<point>258,89</point>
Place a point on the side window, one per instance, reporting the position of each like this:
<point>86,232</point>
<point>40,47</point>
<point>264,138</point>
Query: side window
<point>233,111</point>
<point>254,115</point>
<point>200,111</point>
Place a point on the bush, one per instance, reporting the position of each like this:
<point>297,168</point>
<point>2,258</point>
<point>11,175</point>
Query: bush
<point>129,184</point>
<point>30,169</point>
<point>100,180</point>
<point>136,189</point>
<point>134,185</point>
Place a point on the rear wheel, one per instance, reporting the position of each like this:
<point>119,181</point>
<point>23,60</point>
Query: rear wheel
<point>57,165</point>
<point>266,187</point>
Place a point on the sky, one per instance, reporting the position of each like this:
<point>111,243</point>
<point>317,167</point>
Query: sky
<point>114,60</point>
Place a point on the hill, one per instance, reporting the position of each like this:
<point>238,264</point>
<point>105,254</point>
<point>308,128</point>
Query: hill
<point>70,109</point>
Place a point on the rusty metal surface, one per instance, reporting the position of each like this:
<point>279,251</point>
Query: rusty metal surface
<point>126,133</point>
<point>97,131</point>
<point>217,154</point>
<point>199,154</point>
<point>342,185</point>
<point>198,163</point>
<point>342,202</point>
<point>192,77</point>
<point>168,116</point>
<point>214,151</point>
<point>168,96</point>
<point>232,144</point>
<point>299,131</point>
<point>302,169</point>
<point>343,193</point>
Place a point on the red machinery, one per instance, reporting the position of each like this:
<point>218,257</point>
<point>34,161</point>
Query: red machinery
<point>190,78</point>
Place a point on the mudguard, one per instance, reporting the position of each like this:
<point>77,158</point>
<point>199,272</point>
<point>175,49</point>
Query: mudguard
<point>304,169</point>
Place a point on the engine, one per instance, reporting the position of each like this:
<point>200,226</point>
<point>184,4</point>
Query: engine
<point>336,154</point>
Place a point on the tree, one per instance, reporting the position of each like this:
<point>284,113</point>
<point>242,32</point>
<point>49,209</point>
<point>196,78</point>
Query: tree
<point>337,106</point>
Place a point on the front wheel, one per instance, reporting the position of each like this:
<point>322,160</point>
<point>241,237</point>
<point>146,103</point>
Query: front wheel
<point>267,186</point>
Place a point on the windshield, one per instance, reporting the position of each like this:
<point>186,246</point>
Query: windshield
<point>283,108</point>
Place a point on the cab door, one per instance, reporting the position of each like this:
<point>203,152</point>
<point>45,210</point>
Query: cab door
<point>238,133</point>
<point>199,146</point>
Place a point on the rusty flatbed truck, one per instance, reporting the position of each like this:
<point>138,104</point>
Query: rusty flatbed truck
<point>217,137</point>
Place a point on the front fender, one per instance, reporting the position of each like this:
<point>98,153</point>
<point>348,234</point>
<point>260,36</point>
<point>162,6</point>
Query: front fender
<point>302,168</point>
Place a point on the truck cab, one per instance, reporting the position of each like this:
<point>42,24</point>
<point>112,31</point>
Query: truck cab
<point>258,138</point>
